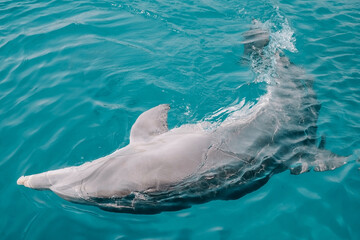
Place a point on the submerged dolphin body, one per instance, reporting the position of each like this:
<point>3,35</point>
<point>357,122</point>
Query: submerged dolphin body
<point>163,170</point>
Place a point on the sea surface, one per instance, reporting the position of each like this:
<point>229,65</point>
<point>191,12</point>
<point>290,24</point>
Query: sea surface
<point>75,75</point>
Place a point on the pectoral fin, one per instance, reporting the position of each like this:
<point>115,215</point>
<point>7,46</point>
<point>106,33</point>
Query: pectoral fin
<point>299,168</point>
<point>327,160</point>
<point>319,160</point>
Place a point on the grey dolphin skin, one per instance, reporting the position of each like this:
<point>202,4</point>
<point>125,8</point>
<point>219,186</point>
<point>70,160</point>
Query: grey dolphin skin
<point>167,170</point>
<point>255,39</point>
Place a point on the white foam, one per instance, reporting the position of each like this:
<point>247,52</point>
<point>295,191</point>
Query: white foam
<point>281,39</point>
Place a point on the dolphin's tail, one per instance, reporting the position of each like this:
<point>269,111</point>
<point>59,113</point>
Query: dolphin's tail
<point>255,39</point>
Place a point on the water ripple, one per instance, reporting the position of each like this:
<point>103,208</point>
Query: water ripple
<point>75,76</point>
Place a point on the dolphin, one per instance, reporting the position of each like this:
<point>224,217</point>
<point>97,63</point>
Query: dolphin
<point>166,169</point>
<point>256,38</point>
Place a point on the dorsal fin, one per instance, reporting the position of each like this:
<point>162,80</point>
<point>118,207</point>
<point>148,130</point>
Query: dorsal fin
<point>150,123</point>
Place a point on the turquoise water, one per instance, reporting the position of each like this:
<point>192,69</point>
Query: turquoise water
<point>75,76</point>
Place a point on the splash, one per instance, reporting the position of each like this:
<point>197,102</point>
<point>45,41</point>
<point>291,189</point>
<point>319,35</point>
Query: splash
<point>281,39</point>
<point>282,35</point>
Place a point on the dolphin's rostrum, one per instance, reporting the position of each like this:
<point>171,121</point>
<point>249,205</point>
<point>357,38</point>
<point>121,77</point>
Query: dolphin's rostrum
<point>163,170</point>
